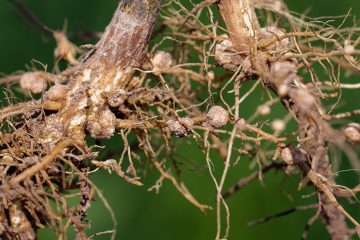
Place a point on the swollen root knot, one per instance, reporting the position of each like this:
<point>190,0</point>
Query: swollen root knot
<point>285,74</point>
<point>217,116</point>
<point>240,124</point>
<point>227,56</point>
<point>33,82</point>
<point>286,155</point>
<point>278,125</point>
<point>101,124</point>
<point>348,48</point>
<point>352,133</point>
<point>181,128</point>
<point>57,92</point>
<point>162,60</point>
<point>264,109</point>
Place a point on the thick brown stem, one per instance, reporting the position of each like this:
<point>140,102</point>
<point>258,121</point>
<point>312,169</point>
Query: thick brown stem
<point>82,105</point>
<point>239,18</point>
<point>125,39</point>
<point>105,71</point>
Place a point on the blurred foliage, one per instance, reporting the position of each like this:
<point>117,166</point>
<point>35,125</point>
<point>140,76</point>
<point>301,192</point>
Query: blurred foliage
<point>167,215</point>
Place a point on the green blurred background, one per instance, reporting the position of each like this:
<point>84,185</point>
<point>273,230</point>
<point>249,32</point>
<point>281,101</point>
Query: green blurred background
<point>167,215</point>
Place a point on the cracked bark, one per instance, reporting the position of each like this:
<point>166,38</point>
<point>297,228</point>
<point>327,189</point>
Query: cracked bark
<point>106,69</point>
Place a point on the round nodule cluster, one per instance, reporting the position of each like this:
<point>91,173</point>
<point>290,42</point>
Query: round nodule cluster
<point>210,76</point>
<point>348,48</point>
<point>240,124</point>
<point>118,98</point>
<point>181,128</point>
<point>278,125</point>
<point>227,56</point>
<point>162,60</point>
<point>101,124</point>
<point>285,73</point>
<point>352,133</point>
<point>57,92</point>
<point>217,116</point>
<point>264,109</point>
<point>32,82</point>
<point>286,155</point>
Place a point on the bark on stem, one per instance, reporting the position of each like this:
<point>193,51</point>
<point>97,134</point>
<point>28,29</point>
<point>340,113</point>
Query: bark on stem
<point>105,71</point>
<point>239,18</point>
